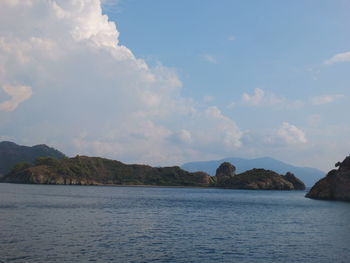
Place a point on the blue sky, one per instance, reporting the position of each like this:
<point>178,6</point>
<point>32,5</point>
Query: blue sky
<point>167,82</point>
<point>223,49</point>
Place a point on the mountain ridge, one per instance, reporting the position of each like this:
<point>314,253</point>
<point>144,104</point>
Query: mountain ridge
<point>12,153</point>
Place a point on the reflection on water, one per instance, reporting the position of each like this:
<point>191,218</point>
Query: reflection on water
<point>40,223</point>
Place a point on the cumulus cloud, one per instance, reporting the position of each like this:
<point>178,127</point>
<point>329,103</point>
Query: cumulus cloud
<point>224,132</point>
<point>326,99</point>
<point>290,134</point>
<point>340,57</point>
<point>85,93</point>
<point>17,95</point>
<point>260,97</point>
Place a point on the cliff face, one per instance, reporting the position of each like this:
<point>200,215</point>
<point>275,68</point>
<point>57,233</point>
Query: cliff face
<point>335,186</point>
<point>11,154</point>
<point>256,179</point>
<point>82,170</point>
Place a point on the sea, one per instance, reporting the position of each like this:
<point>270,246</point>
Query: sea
<point>51,223</point>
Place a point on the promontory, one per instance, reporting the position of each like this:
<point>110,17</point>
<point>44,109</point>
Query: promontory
<point>336,184</point>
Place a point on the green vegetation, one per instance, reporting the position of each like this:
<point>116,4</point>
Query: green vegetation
<point>83,170</point>
<point>11,154</point>
<point>99,171</point>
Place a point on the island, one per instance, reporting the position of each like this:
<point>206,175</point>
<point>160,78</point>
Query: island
<point>256,179</point>
<point>84,170</point>
<point>336,184</point>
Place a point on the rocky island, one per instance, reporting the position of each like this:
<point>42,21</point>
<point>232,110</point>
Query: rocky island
<point>256,179</point>
<point>336,184</point>
<point>83,170</point>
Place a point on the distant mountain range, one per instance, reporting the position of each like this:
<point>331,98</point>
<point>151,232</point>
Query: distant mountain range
<point>12,153</point>
<point>308,175</point>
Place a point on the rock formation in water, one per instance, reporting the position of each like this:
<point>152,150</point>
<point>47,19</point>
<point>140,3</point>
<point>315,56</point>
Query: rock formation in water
<point>256,179</point>
<point>83,170</point>
<point>336,184</point>
<point>224,172</point>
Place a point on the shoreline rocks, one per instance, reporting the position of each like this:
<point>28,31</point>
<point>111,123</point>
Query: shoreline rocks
<point>336,184</point>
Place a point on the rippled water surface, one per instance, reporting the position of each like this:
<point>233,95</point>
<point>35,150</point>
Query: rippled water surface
<point>41,223</point>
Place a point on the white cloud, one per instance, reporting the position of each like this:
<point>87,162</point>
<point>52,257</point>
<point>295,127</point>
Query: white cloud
<point>91,95</point>
<point>210,58</point>
<point>290,134</point>
<point>223,131</point>
<point>260,98</point>
<point>231,38</point>
<point>13,3</point>
<point>340,57</point>
<point>325,99</point>
<point>17,95</point>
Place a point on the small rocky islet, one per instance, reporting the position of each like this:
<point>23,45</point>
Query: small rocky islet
<point>336,184</point>
<point>256,179</point>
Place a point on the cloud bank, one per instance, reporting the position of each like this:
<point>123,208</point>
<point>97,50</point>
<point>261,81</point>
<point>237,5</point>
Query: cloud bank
<point>67,81</point>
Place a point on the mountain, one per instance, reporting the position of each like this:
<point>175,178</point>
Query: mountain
<point>83,170</point>
<point>11,154</point>
<point>308,175</point>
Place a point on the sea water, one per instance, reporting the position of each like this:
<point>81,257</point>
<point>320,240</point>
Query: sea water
<point>47,223</point>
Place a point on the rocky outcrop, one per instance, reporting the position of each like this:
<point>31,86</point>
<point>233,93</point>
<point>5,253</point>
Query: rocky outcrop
<point>335,186</point>
<point>83,170</point>
<point>297,183</point>
<point>224,172</point>
<point>256,179</point>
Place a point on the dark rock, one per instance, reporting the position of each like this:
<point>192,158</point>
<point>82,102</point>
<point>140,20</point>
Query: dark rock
<point>335,186</point>
<point>224,172</point>
<point>345,165</point>
<point>256,179</point>
<point>297,183</point>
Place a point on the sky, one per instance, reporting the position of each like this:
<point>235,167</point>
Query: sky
<point>168,82</point>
